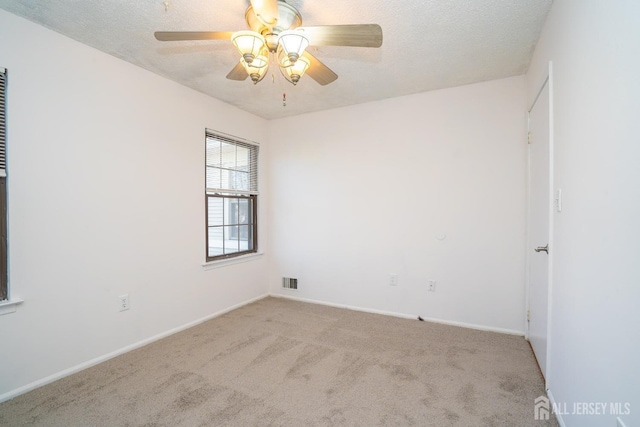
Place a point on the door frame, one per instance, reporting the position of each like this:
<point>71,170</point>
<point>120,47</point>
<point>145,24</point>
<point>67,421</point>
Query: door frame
<point>547,80</point>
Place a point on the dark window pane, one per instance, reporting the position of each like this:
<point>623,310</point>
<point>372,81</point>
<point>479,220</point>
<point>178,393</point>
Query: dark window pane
<point>230,242</point>
<point>243,237</point>
<point>215,211</point>
<point>243,211</point>
<point>216,242</point>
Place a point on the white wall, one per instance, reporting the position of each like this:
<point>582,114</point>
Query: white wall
<point>595,316</point>
<point>362,192</point>
<point>106,179</point>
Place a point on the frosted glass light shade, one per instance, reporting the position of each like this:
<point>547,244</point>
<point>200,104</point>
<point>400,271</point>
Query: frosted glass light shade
<point>293,43</point>
<point>296,70</point>
<point>257,69</point>
<point>249,43</point>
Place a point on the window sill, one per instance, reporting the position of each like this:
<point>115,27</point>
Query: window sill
<point>9,306</point>
<point>230,261</point>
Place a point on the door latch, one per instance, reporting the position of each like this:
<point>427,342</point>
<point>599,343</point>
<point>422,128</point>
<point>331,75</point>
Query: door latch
<point>543,248</point>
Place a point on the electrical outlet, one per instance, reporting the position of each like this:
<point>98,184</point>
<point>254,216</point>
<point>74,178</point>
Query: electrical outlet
<point>123,302</point>
<point>393,280</point>
<point>431,286</point>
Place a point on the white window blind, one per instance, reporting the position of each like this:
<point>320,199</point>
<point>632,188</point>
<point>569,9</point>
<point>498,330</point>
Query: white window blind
<point>231,165</point>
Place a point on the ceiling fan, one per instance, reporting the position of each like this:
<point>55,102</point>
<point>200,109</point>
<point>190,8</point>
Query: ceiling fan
<point>276,35</point>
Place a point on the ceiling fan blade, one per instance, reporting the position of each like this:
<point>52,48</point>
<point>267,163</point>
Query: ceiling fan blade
<point>238,73</point>
<point>318,71</point>
<point>359,35</point>
<point>171,36</point>
<point>266,11</point>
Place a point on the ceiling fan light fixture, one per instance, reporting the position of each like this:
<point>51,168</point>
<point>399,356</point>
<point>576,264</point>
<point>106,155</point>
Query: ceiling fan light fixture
<point>260,61</point>
<point>249,43</point>
<point>293,43</point>
<point>276,34</point>
<point>257,69</point>
<point>296,70</point>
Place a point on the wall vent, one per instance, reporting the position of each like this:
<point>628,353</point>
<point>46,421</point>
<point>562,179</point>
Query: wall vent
<point>289,283</point>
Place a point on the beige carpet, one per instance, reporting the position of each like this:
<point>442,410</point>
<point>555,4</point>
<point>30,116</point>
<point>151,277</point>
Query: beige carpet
<point>278,362</point>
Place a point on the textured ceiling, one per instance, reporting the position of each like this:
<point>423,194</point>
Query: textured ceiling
<point>427,45</point>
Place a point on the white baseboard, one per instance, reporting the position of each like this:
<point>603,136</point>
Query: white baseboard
<point>51,378</point>
<point>476,327</point>
<point>402,315</point>
<point>349,307</point>
<point>554,404</point>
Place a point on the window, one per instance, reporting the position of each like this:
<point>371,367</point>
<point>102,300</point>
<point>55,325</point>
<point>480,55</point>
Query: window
<point>3,189</point>
<point>231,196</point>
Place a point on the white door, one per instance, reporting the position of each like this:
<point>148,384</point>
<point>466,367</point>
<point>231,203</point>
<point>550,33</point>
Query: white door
<point>539,213</point>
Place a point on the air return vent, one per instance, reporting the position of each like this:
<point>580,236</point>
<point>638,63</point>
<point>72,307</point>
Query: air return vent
<point>289,283</point>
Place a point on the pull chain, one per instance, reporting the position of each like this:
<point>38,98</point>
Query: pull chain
<point>284,99</point>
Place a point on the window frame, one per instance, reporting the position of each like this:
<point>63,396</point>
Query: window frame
<point>250,194</point>
<point>253,246</point>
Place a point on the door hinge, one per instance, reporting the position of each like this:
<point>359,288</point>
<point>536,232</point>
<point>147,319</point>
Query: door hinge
<point>528,315</point>
<point>529,137</point>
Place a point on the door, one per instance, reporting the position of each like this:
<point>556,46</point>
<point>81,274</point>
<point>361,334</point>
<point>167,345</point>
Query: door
<point>539,225</point>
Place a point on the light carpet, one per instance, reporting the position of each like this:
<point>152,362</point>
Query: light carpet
<point>278,362</point>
